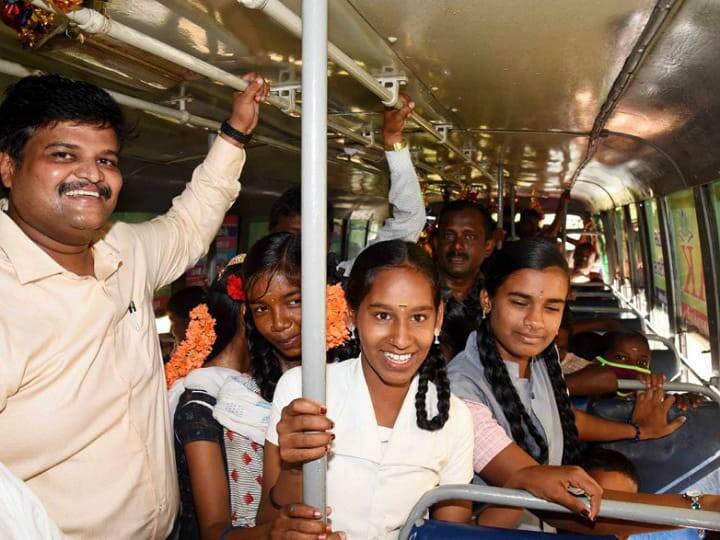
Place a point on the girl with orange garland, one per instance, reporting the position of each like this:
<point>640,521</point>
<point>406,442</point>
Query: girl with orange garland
<point>223,451</point>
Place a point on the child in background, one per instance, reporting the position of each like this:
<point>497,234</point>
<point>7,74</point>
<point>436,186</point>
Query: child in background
<point>611,469</point>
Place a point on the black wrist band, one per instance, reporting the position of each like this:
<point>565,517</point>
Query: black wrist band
<point>239,136</point>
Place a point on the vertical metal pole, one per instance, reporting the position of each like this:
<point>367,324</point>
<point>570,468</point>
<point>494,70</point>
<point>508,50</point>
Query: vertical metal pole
<point>314,226</point>
<point>500,197</point>
<point>512,212</point>
<point>672,287</point>
<point>564,228</point>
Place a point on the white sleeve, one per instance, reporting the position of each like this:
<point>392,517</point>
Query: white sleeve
<point>407,203</point>
<point>177,239</point>
<point>289,387</point>
<point>459,466</point>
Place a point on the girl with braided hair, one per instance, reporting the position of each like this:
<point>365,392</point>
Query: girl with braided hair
<point>397,429</point>
<point>511,366</point>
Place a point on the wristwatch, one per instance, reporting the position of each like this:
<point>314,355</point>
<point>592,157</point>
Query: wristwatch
<point>239,136</point>
<point>396,146</point>
<point>695,497</point>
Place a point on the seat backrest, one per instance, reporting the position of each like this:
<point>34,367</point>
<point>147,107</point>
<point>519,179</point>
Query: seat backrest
<point>441,530</point>
<point>677,461</point>
<point>666,363</point>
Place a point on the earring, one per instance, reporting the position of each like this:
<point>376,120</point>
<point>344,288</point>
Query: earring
<point>436,341</point>
<point>484,315</point>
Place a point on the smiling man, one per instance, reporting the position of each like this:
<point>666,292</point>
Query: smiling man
<point>83,407</point>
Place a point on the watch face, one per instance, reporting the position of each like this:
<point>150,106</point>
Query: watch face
<point>694,493</point>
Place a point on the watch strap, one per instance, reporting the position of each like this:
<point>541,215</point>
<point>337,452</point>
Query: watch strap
<point>239,136</point>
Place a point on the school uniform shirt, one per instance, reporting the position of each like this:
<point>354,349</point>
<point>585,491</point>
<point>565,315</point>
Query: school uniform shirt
<point>83,405</point>
<point>371,486</point>
<point>467,381</point>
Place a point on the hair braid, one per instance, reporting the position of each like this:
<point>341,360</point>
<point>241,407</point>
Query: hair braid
<point>266,369</point>
<point>506,395</point>
<point>571,443</point>
<point>433,369</point>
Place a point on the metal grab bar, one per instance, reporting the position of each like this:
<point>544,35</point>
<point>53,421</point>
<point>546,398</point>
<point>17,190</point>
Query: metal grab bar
<point>575,295</point>
<point>599,309</point>
<point>645,513</point>
<point>630,384</point>
<point>286,18</point>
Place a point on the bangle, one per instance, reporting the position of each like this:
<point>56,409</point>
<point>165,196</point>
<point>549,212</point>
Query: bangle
<point>239,136</point>
<point>227,531</point>
<point>394,147</point>
<point>271,498</point>
<point>636,438</point>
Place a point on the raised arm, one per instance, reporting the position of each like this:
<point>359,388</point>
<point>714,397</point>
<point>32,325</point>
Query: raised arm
<point>177,239</point>
<point>553,230</point>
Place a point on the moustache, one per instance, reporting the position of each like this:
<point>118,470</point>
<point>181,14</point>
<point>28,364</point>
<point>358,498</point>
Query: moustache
<point>457,254</point>
<point>105,191</point>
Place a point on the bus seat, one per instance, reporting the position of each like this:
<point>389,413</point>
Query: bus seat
<point>441,530</point>
<point>677,461</point>
<point>666,363</point>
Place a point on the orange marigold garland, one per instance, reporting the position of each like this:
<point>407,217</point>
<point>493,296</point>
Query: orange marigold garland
<point>195,348</point>
<point>337,331</point>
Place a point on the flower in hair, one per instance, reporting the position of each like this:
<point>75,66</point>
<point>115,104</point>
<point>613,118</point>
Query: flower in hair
<point>337,331</point>
<point>235,288</point>
<point>192,351</point>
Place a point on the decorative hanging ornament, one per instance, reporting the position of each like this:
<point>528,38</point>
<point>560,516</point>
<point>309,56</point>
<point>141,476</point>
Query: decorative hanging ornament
<point>33,24</point>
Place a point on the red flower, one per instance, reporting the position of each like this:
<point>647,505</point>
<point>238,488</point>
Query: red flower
<point>235,288</point>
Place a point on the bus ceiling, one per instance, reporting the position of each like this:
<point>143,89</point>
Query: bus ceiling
<point>610,98</point>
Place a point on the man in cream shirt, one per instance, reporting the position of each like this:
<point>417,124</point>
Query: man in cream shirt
<point>84,419</point>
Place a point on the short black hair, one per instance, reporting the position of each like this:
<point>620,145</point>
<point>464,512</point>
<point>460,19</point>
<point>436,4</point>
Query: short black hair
<point>289,204</point>
<point>38,101</point>
<point>458,206</point>
<point>182,302</point>
<point>604,459</point>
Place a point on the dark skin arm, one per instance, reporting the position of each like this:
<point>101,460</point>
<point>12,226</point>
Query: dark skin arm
<point>514,468</point>
<point>211,496</point>
<point>650,414</point>
<point>593,380</point>
<point>553,230</point>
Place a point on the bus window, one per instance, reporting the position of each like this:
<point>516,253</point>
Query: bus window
<point>658,296</point>
<point>692,316</point>
<point>357,237</point>
<point>336,237</point>
<point>602,247</point>
<point>638,264</point>
<point>622,268</point>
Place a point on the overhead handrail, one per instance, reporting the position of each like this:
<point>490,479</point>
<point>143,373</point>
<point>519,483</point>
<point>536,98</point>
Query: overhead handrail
<point>183,116</point>
<point>93,22</point>
<point>286,18</point>
<point>630,384</point>
<point>646,513</point>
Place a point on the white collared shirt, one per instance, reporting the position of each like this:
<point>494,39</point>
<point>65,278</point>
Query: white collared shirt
<point>371,492</point>
<point>84,418</point>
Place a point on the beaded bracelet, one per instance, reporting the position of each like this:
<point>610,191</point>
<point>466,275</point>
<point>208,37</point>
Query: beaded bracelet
<point>637,430</point>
